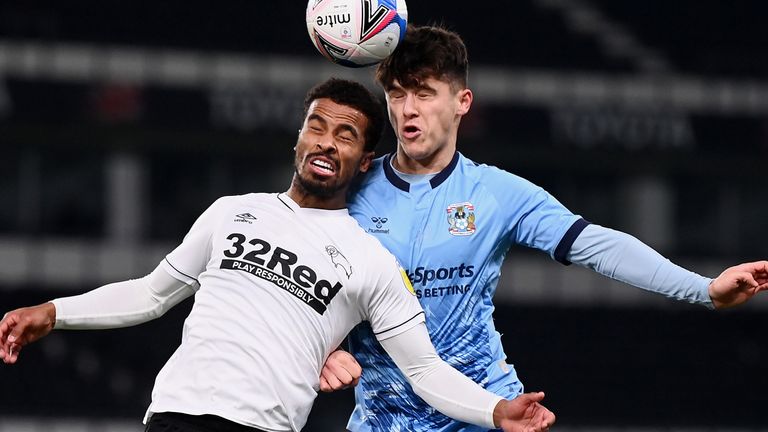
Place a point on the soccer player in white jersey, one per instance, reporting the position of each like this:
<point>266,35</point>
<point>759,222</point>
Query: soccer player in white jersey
<point>450,221</point>
<point>279,280</point>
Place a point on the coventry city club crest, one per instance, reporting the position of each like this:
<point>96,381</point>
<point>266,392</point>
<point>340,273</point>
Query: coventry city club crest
<point>461,218</point>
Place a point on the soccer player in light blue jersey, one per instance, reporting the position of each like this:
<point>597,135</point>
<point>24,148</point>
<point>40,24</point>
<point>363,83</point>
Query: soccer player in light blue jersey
<point>450,222</point>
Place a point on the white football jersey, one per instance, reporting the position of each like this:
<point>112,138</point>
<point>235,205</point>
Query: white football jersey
<point>280,286</point>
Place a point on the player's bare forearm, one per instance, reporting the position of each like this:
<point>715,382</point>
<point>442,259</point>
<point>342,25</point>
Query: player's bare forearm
<point>738,284</point>
<point>23,326</point>
<point>525,413</point>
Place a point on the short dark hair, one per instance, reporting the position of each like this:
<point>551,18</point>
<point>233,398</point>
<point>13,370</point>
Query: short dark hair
<point>426,52</point>
<point>357,96</point>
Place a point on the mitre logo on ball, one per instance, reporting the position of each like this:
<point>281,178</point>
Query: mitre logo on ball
<point>356,33</point>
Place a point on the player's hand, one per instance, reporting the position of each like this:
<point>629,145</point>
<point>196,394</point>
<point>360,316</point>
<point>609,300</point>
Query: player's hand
<point>23,326</point>
<point>340,371</point>
<point>738,284</point>
<point>523,414</point>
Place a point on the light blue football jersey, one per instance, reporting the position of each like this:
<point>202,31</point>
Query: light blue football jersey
<point>451,234</point>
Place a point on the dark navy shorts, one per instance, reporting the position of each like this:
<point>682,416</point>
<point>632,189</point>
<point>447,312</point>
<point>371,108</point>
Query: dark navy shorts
<point>176,422</point>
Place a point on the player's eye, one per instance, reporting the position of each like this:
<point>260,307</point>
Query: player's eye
<point>347,138</point>
<point>314,127</point>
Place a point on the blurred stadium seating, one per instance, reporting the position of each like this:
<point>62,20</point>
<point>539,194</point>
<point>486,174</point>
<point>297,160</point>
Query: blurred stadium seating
<point>120,123</point>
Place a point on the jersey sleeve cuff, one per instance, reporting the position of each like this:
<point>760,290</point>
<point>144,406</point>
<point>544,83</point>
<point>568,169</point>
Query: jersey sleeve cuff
<point>704,298</point>
<point>178,274</point>
<point>491,408</point>
<point>405,325</point>
<point>58,323</point>
<point>562,249</point>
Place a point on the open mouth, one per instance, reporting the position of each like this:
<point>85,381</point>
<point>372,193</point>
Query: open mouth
<point>411,132</point>
<point>322,166</point>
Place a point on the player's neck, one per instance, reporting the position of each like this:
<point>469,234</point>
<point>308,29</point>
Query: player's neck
<point>431,164</point>
<point>306,199</point>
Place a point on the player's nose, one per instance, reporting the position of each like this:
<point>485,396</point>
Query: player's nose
<point>409,105</point>
<point>326,143</point>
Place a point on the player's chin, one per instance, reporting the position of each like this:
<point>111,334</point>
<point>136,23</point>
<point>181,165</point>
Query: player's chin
<point>418,151</point>
<point>323,187</point>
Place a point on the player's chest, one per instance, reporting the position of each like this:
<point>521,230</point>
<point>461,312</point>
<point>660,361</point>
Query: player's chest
<point>429,218</point>
<point>289,254</point>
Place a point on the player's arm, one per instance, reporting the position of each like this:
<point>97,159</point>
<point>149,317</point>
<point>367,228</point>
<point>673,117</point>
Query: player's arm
<point>622,257</point>
<point>397,320</point>
<point>114,305</point>
<point>457,396</point>
<point>119,304</point>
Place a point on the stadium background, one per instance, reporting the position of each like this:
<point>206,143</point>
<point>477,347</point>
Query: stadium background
<point>121,121</point>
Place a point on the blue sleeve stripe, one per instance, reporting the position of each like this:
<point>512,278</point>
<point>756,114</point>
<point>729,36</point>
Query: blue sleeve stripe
<point>562,249</point>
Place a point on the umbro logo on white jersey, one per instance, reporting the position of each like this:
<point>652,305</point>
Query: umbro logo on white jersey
<point>245,217</point>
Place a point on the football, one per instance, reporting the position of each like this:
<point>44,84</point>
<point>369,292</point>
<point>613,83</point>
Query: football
<point>356,33</point>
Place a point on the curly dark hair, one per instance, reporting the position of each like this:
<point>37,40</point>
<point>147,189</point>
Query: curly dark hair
<point>426,52</point>
<point>357,96</point>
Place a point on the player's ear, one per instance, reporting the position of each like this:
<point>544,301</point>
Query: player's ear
<point>464,99</point>
<point>365,162</point>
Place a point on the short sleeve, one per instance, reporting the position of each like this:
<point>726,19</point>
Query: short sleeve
<point>540,221</point>
<point>191,257</point>
<point>392,307</point>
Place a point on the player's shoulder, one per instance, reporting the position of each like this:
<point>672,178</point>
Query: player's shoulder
<point>368,246</point>
<point>228,202</point>
<point>375,173</point>
<point>493,177</point>
<point>355,233</point>
<point>370,187</point>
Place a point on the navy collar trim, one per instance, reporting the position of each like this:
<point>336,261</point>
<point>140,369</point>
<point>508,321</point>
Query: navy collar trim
<point>392,175</point>
<point>403,185</point>
<point>443,175</point>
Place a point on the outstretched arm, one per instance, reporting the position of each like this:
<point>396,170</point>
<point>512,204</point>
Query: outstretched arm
<point>115,305</point>
<point>622,257</point>
<point>455,395</point>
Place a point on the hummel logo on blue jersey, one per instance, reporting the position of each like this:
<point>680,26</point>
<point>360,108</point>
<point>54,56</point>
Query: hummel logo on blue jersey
<point>379,222</point>
<point>245,217</point>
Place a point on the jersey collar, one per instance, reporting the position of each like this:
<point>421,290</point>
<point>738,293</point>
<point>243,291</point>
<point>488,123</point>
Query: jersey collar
<point>405,186</point>
<point>296,208</point>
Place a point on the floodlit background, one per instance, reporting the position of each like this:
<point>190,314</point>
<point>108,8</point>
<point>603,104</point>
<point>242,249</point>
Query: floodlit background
<point>121,121</point>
